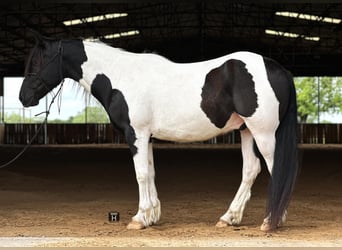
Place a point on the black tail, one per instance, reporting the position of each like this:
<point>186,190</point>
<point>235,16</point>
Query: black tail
<point>285,167</point>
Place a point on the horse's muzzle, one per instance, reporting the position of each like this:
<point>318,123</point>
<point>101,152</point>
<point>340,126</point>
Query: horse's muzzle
<point>28,101</point>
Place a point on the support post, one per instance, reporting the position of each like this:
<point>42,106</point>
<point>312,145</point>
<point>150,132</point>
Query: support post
<point>46,139</point>
<point>2,111</point>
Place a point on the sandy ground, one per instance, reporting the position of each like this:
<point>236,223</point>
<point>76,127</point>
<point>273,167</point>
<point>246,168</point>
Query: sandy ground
<point>61,197</point>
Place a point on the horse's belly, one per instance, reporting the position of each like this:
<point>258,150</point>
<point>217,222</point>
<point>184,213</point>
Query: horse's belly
<point>183,135</point>
<point>194,129</point>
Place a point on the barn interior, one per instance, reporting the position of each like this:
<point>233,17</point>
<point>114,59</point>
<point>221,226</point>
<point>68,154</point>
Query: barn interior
<point>67,190</point>
<point>304,37</point>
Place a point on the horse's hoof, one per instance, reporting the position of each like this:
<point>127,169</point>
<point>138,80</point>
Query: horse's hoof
<point>265,227</point>
<point>135,225</point>
<point>221,223</point>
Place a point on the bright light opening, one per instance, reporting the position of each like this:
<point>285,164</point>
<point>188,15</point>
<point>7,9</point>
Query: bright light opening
<point>122,34</point>
<point>94,19</point>
<point>114,36</point>
<point>291,35</point>
<point>280,33</point>
<point>308,17</point>
<point>312,38</point>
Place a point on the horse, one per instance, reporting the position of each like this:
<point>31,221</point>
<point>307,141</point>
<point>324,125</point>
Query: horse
<point>148,96</point>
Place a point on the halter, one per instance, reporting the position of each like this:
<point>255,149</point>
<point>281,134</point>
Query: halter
<point>59,54</point>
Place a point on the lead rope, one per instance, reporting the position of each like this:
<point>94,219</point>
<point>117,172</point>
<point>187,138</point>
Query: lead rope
<point>47,112</point>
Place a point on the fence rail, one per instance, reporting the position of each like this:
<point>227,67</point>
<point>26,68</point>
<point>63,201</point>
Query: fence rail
<point>104,133</point>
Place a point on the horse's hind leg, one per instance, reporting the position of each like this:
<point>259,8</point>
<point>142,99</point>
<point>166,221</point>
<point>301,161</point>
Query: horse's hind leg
<point>149,205</point>
<point>250,170</point>
<point>266,145</point>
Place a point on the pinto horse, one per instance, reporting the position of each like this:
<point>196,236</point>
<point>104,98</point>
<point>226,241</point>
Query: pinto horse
<point>147,96</point>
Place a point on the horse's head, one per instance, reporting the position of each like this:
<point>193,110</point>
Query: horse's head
<point>43,70</point>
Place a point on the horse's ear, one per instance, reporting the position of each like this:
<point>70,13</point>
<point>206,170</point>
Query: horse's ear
<point>39,39</point>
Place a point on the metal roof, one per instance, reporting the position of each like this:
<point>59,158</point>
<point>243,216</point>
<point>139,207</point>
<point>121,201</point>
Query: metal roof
<point>183,31</point>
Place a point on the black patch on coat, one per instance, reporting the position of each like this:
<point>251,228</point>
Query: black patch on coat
<point>227,89</point>
<point>74,56</point>
<point>116,106</point>
<point>279,79</point>
<point>243,127</point>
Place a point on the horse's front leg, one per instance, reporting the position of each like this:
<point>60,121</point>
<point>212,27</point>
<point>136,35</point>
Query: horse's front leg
<point>149,205</point>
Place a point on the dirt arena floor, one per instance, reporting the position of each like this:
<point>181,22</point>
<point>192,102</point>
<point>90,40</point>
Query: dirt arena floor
<point>61,197</point>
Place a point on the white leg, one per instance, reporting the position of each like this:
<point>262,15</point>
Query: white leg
<point>152,187</point>
<point>251,168</point>
<point>266,145</point>
<point>149,205</point>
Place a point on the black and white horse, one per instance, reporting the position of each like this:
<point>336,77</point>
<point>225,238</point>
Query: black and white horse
<point>146,95</point>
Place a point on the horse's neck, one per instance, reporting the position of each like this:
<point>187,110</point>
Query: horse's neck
<point>100,59</point>
<point>101,56</point>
